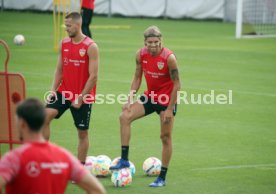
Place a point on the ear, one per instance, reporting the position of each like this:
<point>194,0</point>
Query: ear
<point>160,45</point>
<point>21,123</point>
<point>78,24</point>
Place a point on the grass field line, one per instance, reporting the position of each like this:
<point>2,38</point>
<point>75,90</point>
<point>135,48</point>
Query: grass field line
<point>33,50</point>
<point>234,167</point>
<point>255,93</point>
<point>206,89</point>
<point>53,51</point>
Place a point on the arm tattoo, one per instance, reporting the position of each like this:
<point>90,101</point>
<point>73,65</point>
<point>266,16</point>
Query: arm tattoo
<point>137,62</point>
<point>174,74</point>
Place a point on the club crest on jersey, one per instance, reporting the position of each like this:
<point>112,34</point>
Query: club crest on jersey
<point>82,52</point>
<point>160,65</point>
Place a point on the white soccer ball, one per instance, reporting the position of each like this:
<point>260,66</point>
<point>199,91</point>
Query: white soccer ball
<point>101,167</point>
<point>152,166</point>
<point>121,178</point>
<point>131,167</point>
<point>104,157</point>
<point>90,162</point>
<point>19,39</point>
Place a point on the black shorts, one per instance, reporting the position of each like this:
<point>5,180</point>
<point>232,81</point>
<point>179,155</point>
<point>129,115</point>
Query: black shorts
<point>151,107</point>
<point>81,116</point>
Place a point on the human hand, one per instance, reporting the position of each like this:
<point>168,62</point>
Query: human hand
<point>167,116</point>
<point>126,107</point>
<point>77,102</point>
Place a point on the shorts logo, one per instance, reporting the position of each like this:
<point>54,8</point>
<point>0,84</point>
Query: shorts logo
<point>82,52</point>
<point>160,65</point>
<point>33,169</point>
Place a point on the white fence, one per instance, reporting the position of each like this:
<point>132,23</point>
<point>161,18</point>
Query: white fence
<point>198,9</point>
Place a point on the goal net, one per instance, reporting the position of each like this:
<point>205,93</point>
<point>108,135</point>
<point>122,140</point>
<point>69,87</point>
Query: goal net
<point>256,18</point>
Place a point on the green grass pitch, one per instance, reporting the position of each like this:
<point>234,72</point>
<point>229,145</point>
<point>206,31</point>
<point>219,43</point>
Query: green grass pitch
<point>218,149</point>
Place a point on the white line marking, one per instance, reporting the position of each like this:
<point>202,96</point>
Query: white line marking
<point>234,167</point>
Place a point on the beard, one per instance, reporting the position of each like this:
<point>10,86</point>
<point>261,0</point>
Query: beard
<point>155,51</point>
<point>72,35</point>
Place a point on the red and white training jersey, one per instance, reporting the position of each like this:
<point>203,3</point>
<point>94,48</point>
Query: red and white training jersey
<point>157,75</point>
<point>88,4</point>
<point>75,64</point>
<point>39,168</point>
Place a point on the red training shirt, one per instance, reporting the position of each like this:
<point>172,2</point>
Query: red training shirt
<point>75,64</point>
<point>42,168</point>
<point>88,4</point>
<point>157,75</point>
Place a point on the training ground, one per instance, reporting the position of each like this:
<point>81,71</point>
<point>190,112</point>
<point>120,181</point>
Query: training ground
<point>218,148</point>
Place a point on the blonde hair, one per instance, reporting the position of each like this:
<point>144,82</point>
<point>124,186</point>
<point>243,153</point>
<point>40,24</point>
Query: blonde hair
<point>152,31</point>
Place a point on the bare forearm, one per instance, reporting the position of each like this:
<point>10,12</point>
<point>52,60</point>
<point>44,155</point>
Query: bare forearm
<point>57,81</point>
<point>91,185</point>
<point>2,182</point>
<point>100,190</point>
<point>176,87</point>
<point>91,82</point>
<point>173,99</point>
<point>93,65</point>
<point>96,192</point>
<point>136,83</point>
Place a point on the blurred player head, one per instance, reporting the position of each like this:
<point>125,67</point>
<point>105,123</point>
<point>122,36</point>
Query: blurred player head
<point>73,23</point>
<point>153,39</point>
<point>30,117</point>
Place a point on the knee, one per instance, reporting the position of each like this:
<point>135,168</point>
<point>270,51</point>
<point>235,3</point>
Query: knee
<point>83,135</point>
<point>125,117</point>
<point>50,115</point>
<point>166,139</point>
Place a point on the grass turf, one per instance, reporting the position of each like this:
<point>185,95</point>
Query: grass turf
<point>217,148</point>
